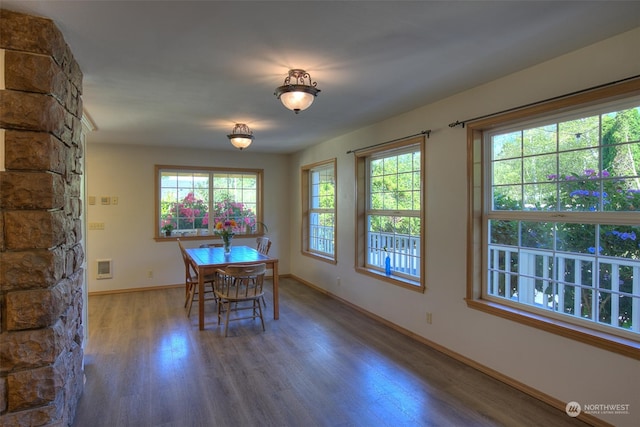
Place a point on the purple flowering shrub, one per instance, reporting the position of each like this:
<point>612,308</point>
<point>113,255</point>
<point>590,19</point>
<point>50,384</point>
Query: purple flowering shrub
<point>591,191</point>
<point>595,191</point>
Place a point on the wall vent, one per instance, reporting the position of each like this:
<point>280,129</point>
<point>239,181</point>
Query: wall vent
<point>104,269</point>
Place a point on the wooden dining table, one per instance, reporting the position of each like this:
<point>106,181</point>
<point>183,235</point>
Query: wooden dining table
<point>207,260</point>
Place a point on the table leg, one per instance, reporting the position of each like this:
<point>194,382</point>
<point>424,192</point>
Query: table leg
<point>201,298</point>
<point>276,307</point>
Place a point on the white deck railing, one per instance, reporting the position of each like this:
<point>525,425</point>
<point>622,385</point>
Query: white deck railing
<point>558,273</point>
<point>403,250</point>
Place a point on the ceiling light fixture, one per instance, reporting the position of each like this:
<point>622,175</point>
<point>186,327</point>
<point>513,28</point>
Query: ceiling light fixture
<point>241,136</point>
<point>295,93</point>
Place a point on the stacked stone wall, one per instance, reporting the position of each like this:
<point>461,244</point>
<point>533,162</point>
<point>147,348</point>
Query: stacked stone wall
<point>41,253</point>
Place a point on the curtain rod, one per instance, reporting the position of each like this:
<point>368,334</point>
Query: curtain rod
<point>462,123</point>
<point>424,132</point>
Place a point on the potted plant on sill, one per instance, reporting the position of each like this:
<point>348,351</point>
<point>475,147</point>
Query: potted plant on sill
<point>167,228</point>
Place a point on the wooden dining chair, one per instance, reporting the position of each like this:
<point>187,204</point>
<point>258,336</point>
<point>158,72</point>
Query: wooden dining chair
<point>239,288</point>
<point>263,245</point>
<point>191,282</point>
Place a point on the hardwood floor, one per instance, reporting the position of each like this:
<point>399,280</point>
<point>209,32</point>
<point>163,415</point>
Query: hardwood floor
<point>321,364</point>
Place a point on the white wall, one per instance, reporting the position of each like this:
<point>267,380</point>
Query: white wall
<point>562,368</point>
<point>127,172</point>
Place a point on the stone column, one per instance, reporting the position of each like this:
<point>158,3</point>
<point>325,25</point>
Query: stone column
<point>41,255</point>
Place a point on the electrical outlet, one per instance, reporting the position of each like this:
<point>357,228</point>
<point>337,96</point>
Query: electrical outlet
<point>338,281</point>
<point>150,274</point>
<point>429,317</point>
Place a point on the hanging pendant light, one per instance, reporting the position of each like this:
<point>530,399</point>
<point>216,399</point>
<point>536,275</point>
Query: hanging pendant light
<point>241,136</point>
<point>296,94</point>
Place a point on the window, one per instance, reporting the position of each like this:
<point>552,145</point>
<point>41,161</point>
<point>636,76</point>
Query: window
<point>389,212</point>
<point>556,220</point>
<point>190,201</point>
<point>319,210</point>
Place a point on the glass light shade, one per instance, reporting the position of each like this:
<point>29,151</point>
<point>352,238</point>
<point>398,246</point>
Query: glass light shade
<point>298,91</point>
<point>241,136</point>
<point>297,101</point>
<point>240,143</point>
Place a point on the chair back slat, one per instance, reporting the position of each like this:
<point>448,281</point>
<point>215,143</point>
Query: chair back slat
<point>241,281</point>
<point>263,244</point>
<point>237,285</point>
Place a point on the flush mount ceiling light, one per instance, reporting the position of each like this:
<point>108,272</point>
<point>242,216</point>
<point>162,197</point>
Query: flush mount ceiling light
<point>241,136</point>
<point>296,94</point>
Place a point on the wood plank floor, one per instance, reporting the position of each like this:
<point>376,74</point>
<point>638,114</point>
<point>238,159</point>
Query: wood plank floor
<point>321,364</point>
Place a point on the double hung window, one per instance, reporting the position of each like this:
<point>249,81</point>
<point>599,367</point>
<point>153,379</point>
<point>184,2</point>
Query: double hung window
<point>390,215</point>
<point>191,201</point>
<point>558,227</point>
<point>319,210</point>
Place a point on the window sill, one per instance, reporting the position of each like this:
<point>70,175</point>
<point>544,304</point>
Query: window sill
<point>603,340</point>
<point>188,237</point>
<point>395,280</point>
<point>320,257</point>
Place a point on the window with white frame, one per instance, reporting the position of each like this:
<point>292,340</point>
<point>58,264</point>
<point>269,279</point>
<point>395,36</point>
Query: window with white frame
<point>191,201</point>
<point>560,219</point>
<point>319,210</point>
<point>390,214</point>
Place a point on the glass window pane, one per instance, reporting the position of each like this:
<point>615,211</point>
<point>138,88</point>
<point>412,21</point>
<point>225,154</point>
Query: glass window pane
<point>539,235</point>
<point>540,140</point>
<point>507,198</point>
<point>582,192</point>
<point>539,196</point>
<point>623,195</point>
<point>620,241</point>
<point>539,168</point>
<point>507,172</point>
<point>577,238</point>
<point>390,201</point>
<point>621,126</point>
<point>579,133</point>
<point>504,232</point>
<point>390,165</point>
<point>506,146</point>
<point>573,164</point>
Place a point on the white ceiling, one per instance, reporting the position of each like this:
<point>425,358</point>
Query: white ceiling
<point>182,73</point>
